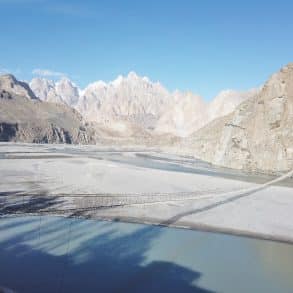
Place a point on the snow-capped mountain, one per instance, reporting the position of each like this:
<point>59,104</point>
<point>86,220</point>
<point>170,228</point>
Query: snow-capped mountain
<point>138,101</point>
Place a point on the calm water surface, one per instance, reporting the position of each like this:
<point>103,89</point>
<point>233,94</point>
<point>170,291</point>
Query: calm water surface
<point>55,254</point>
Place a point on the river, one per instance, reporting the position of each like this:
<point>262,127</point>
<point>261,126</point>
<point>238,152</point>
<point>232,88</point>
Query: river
<point>57,254</point>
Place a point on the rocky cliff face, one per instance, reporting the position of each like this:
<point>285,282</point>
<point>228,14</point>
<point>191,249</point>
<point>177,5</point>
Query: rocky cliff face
<point>258,135</point>
<point>25,118</point>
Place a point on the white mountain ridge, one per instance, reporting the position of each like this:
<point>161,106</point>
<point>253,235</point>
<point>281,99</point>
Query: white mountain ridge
<point>139,101</point>
<point>63,91</point>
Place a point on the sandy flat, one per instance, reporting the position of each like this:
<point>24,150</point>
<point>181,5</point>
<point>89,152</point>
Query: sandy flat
<point>142,186</point>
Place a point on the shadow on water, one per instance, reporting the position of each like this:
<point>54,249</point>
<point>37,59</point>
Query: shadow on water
<point>45,254</point>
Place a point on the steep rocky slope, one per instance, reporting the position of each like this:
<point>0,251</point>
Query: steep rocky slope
<point>25,118</point>
<point>258,135</point>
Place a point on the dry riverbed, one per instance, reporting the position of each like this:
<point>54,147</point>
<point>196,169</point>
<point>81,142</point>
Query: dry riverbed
<point>145,186</point>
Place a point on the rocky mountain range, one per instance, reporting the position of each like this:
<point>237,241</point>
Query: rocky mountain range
<point>64,91</point>
<point>131,101</point>
<point>250,130</point>
<point>24,117</point>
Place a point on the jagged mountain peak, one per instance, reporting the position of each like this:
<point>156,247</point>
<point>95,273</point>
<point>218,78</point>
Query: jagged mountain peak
<point>137,99</point>
<point>132,75</point>
<point>132,78</point>
<point>65,81</point>
<point>96,85</point>
<point>117,81</point>
<point>63,91</point>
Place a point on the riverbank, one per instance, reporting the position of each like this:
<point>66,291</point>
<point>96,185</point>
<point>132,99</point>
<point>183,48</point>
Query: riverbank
<point>143,186</point>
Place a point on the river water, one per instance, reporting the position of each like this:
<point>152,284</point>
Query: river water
<point>56,254</point>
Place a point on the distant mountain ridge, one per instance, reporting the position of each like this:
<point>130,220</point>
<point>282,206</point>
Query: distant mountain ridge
<point>137,100</point>
<point>132,110</point>
<point>63,91</point>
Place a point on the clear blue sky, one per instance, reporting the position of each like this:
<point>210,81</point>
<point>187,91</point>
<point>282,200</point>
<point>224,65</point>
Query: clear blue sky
<point>198,45</point>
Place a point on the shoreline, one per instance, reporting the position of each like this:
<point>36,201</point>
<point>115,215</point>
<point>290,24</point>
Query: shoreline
<point>186,225</point>
<point>197,227</point>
